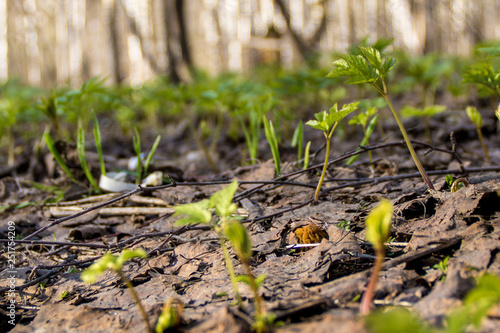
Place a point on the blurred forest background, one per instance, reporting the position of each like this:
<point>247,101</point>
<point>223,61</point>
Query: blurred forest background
<point>59,42</point>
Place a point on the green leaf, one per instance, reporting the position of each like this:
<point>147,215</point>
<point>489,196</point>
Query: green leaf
<point>109,261</point>
<point>356,68</point>
<point>80,148</point>
<point>474,116</point>
<point>151,153</point>
<point>395,321</point>
<point>259,280</point>
<point>244,278</point>
<point>317,125</point>
<point>222,200</point>
<point>52,148</point>
<point>194,213</point>
<point>126,254</point>
<point>238,236</point>
<point>98,144</point>
<point>378,224</point>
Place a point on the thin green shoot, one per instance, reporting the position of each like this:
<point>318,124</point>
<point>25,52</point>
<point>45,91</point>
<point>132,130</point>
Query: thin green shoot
<point>273,143</point>
<point>378,230</point>
<point>252,133</point>
<point>151,153</point>
<point>52,148</point>
<point>327,122</point>
<point>298,139</point>
<point>98,144</point>
<point>137,149</point>
<point>115,263</point>
<point>306,155</point>
<point>477,120</point>
<point>369,67</point>
<point>171,315</point>
<point>80,148</point>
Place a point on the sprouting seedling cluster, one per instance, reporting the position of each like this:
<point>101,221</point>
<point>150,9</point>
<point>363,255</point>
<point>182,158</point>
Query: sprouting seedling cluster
<point>227,226</point>
<point>327,123</point>
<point>369,67</point>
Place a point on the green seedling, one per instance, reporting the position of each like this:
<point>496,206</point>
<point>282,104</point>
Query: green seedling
<point>426,114</point>
<point>449,180</point>
<point>378,230</point>
<point>298,140</point>
<point>199,212</point>
<point>228,227</point>
<point>171,315</point>
<point>151,153</point>
<point>306,155</point>
<point>252,132</point>
<point>52,148</point>
<point>137,149</point>
<point>477,120</point>
<point>327,122</point>
<point>486,76</point>
<point>367,120</point>
<point>345,224</point>
<point>48,106</point>
<point>98,144</point>
<point>115,263</point>
<point>369,67</point>
<point>80,148</point>
<point>443,267</point>
<point>273,143</point>
<point>64,294</point>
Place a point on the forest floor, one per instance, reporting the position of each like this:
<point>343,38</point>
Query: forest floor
<point>314,290</point>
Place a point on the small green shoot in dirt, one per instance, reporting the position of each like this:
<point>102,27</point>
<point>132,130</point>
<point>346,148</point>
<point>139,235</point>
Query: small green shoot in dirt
<point>64,294</point>
<point>42,285</point>
<point>477,120</point>
<point>80,148</point>
<point>115,263</point>
<point>486,76</point>
<point>137,149</point>
<point>378,230</point>
<point>369,67</point>
<point>449,180</point>
<point>443,267</point>
<point>273,143</point>
<point>298,140</point>
<point>98,143</point>
<point>367,120</point>
<point>327,122</point>
<point>345,224</point>
<point>171,315</point>
<point>151,153</point>
<point>306,155</point>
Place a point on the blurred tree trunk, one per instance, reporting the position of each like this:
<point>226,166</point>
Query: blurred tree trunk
<point>178,55</point>
<point>115,48</point>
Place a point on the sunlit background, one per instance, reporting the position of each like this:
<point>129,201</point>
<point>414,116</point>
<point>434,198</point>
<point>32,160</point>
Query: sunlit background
<point>55,42</point>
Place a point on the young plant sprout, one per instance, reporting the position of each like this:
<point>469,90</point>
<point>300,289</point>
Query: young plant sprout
<point>80,148</point>
<point>171,315</point>
<point>115,263</point>
<point>369,67</point>
<point>228,226</point>
<point>477,120</point>
<point>199,212</point>
<point>378,229</point>
<point>273,143</point>
<point>327,122</point>
<point>368,126</point>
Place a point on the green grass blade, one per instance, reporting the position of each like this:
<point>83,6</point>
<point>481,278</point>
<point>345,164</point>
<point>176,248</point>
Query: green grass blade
<point>80,148</point>
<point>306,155</point>
<point>137,148</point>
<point>151,154</point>
<point>98,144</point>
<point>273,143</point>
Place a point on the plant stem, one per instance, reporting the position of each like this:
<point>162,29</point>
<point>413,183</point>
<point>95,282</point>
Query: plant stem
<point>259,305</point>
<point>325,166</point>
<point>230,267</point>
<point>366,301</point>
<point>406,138</point>
<point>480,135</point>
<point>137,301</point>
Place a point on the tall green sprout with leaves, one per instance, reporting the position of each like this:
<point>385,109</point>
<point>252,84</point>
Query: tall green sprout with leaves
<point>327,122</point>
<point>273,143</point>
<point>378,229</point>
<point>228,226</point>
<point>369,67</point>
